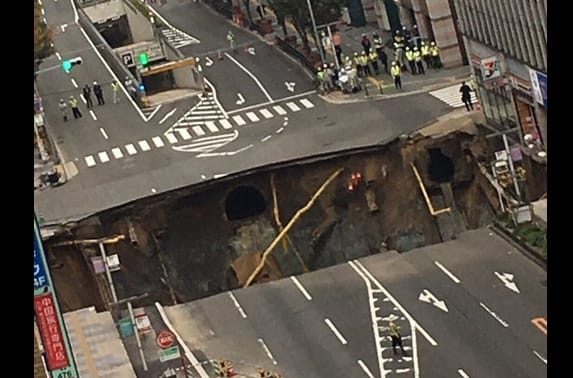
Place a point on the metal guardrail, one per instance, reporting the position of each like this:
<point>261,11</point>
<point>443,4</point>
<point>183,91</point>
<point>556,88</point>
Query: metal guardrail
<point>295,54</point>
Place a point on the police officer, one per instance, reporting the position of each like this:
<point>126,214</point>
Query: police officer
<point>75,110</point>
<point>115,91</point>
<point>328,74</point>
<point>356,61</point>
<point>377,43</point>
<point>418,60</point>
<point>98,92</point>
<point>365,66</point>
<point>399,45</point>
<point>334,80</point>
<point>321,76</point>
<point>63,109</point>
<point>426,55</point>
<point>87,92</point>
<point>435,54</point>
<point>411,61</point>
<point>396,72</point>
<point>373,57</point>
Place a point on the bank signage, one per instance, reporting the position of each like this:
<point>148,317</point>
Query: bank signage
<point>538,86</point>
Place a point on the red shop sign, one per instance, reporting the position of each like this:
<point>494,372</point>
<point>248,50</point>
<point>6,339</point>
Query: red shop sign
<point>51,332</point>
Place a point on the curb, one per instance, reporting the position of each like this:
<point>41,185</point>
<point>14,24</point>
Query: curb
<point>532,253</point>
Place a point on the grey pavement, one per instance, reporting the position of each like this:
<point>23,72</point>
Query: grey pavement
<point>327,129</point>
<point>282,325</point>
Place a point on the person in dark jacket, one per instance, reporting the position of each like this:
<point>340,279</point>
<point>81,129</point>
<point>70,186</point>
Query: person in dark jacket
<point>87,92</point>
<point>466,92</point>
<point>98,92</point>
<point>366,44</point>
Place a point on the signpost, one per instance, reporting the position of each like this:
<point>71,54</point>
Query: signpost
<point>59,356</point>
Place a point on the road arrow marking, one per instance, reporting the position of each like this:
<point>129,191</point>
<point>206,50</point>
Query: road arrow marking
<point>241,99</point>
<point>426,296</point>
<point>251,50</point>
<point>208,62</point>
<point>540,323</point>
<point>290,86</point>
<point>541,358</point>
<point>167,116</point>
<point>507,279</point>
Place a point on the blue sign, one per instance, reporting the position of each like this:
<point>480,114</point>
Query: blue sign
<point>542,79</point>
<point>40,276</point>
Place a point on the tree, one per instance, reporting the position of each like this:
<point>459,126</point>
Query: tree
<point>42,38</point>
<point>296,11</point>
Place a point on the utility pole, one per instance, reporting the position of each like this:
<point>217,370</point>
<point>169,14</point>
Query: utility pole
<point>317,39</point>
<point>331,40</point>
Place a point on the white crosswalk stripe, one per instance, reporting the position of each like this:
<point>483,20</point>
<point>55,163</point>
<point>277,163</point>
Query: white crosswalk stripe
<point>239,120</point>
<point>267,114</point>
<point>130,148</point>
<point>205,113</point>
<point>253,117</point>
<point>90,161</point>
<point>306,103</point>
<point>198,130</point>
<point>211,126</point>
<point>178,38</point>
<point>144,145</point>
<point>184,134</point>
<point>171,138</point>
<point>150,112</point>
<point>292,106</point>
<point>158,142</point>
<point>117,153</point>
<point>226,124</point>
<point>450,95</point>
<point>103,157</point>
<point>279,109</point>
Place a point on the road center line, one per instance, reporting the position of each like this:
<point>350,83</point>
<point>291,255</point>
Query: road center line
<point>268,96</point>
<point>495,316</point>
<point>301,288</point>
<point>448,273</point>
<point>365,369</point>
<point>237,305</point>
<point>266,138</point>
<point>280,130</point>
<point>463,373</point>
<point>271,102</point>
<point>397,304</point>
<point>266,348</point>
<point>540,357</point>
<point>93,115</point>
<point>74,82</point>
<point>58,56</point>
<point>103,133</point>
<point>335,331</point>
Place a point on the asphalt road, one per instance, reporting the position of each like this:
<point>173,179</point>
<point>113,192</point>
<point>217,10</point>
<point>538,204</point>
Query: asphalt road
<point>322,323</point>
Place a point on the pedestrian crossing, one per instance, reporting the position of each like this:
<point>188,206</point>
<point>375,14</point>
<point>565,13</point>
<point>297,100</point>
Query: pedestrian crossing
<point>198,134</point>
<point>177,38</point>
<point>450,95</point>
<point>150,112</point>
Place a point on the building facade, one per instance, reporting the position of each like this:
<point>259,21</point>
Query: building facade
<point>435,20</point>
<point>506,43</point>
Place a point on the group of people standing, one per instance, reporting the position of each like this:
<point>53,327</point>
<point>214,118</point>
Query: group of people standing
<point>408,47</point>
<point>87,91</point>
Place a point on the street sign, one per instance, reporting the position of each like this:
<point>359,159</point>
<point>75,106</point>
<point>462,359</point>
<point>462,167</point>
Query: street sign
<point>113,262</point>
<point>127,59</point>
<point>169,354</point>
<point>40,276</point>
<point>142,323</point>
<point>125,327</point>
<point>97,262</point>
<point>129,54</point>
<point>165,339</point>
<point>52,337</point>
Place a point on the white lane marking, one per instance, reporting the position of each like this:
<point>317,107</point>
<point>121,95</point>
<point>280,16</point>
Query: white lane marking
<point>365,369</point>
<point>130,148</point>
<point>107,66</point>
<point>463,373</point>
<point>58,56</point>
<point>103,157</point>
<point>306,103</point>
<point>301,288</point>
<point>93,115</point>
<point>252,116</point>
<point>226,124</point>
<point>266,348</point>
<point>214,97</point>
<point>43,11</point>
<point>230,153</point>
<point>144,145</point>
<point>495,316</point>
<point>103,133</point>
<point>158,142</point>
<point>171,138</point>
<point>165,116</point>
<point>267,114</point>
<point>267,103</point>
<point>74,82</point>
<point>448,273</point>
<point>153,112</point>
<point>396,303</point>
<point>210,111</point>
<point>540,357</point>
<point>117,153</point>
<point>266,138</point>
<point>335,331</point>
<point>267,95</point>
<point>279,110</point>
<point>211,126</point>
<point>237,305</point>
<point>172,28</point>
<point>239,120</point>
<point>90,161</point>
<point>280,130</point>
<point>83,98</point>
<point>184,134</point>
<point>198,130</point>
<point>292,106</point>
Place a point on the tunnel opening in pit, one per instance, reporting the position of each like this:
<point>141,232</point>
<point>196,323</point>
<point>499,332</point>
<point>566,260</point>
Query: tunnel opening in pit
<point>440,167</point>
<point>244,202</point>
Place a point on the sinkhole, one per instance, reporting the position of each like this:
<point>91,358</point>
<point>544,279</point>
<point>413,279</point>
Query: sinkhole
<point>440,167</point>
<point>244,202</point>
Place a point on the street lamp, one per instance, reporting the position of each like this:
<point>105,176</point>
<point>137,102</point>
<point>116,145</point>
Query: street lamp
<point>316,39</point>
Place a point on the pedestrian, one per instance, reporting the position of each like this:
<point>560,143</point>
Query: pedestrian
<point>380,51</point>
<point>356,62</point>
<point>407,36</point>
<point>426,55</point>
<point>63,109</point>
<point>334,75</point>
<point>321,78</point>
<point>435,53</point>
<point>373,57</point>
<point>87,92</point>
<point>418,60</point>
<point>396,338</point>
<point>115,91</point>
<point>366,44</point>
<point>231,40</point>
<point>411,60</point>
<point>337,41</point>
<point>396,74</point>
<point>130,87</point>
<point>365,66</point>
<point>328,75</point>
<point>98,92</point>
<point>75,110</point>
<point>466,92</point>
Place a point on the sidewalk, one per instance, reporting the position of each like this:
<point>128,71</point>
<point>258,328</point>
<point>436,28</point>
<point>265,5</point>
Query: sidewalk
<point>45,156</point>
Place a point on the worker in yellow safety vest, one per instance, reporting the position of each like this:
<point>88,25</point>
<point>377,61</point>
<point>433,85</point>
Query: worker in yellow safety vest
<point>426,55</point>
<point>411,61</point>
<point>435,53</point>
<point>396,72</point>
<point>418,60</point>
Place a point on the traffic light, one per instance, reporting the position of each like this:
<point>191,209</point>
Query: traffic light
<point>68,64</point>
<point>143,59</point>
